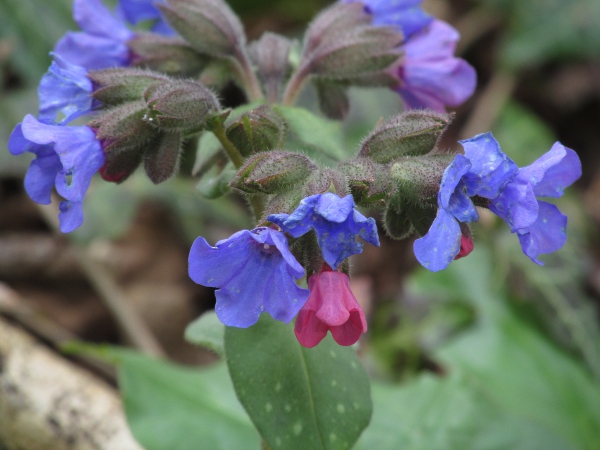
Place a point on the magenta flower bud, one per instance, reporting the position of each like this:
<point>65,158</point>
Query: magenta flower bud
<point>331,306</point>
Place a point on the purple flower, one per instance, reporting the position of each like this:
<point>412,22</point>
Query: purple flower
<point>336,222</point>
<point>66,157</point>
<point>442,243</point>
<point>254,271</point>
<point>136,11</point>
<point>404,14</point>
<point>430,76</point>
<point>540,226</point>
<point>103,41</point>
<point>64,90</point>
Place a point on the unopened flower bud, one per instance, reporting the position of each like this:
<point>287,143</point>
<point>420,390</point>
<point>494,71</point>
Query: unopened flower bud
<point>161,160</point>
<point>179,105</point>
<point>324,180</point>
<point>333,99</point>
<point>370,182</point>
<point>273,172</point>
<point>123,127</point>
<point>397,223</point>
<point>271,56</point>
<point>341,44</point>
<point>257,131</point>
<point>120,85</point>
<point>411,133</point>
<point>418,177</point>
<point>167,54</point>
<point>208,25</point>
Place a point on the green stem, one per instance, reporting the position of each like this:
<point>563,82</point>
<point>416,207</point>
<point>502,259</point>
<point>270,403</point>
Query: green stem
<point>294,86</point>
<point>234,154</point>
<point>247,76</point>
<point>236,158</point>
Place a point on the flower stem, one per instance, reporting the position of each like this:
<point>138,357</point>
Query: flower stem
<point>234,154</point>
<point>247,76</point>
<point>294,86</point>
<point>236,158</point>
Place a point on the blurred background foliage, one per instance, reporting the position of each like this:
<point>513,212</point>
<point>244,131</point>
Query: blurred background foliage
<point>493,353</point>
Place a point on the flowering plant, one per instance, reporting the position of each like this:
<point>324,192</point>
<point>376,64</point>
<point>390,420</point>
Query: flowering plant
<point>116,98</point>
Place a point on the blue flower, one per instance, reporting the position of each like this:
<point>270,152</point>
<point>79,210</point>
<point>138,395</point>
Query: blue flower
<point>336,222</point>
<point>540,226</point>
<point>254,271</point>
<point>136,11</point>
<point>442,243</point>
<point>103,41</point>
<point>430,76</point>
<point>404,14</point>
<point>64,90</point>
<point>66,157</point>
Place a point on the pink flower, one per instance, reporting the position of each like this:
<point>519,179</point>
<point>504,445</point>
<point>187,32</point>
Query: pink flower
<point>330,306</point>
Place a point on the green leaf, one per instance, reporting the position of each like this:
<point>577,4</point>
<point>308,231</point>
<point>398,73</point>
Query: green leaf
<point>171,407</point>
<point>449,413</point>
<point>548,30</point>
<point>207,331</point>
<point>524,373</point>
<point>208,148</point>
<point>298,398</point>
<point>215,183</point>
<point>317,136</point>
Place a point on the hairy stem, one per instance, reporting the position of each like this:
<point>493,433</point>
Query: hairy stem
<point>247,76</point>
<point>236,158</point>
<point>294,86</point>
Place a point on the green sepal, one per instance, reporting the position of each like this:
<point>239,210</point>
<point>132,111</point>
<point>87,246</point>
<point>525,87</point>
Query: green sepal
<point>120,85</point>
<point>179,105</point>
<point>124,127</point>
<point>411,133</point>
<point>258,130</point>
<point>397,223</point>
<point>273,172</point>
<point>167,54</point>
<point>161,160</point>
<point>210,26</point>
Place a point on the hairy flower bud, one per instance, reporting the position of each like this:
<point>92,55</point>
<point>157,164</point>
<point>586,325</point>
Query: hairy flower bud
<point>123,127</point>
<point>120,85</point>
<point>418,177</point>
<point>271,56</point>
<point>167,54</point>
<point>161,160</point>
<point>370,182</point>
<point>397,223</point>
<point>273,172</point>
<point>179,105</point>
<point>208,25</point>
<point>411,133</point>
<point>333,99</point>
<point>257,131</point>
<point>341,44</point>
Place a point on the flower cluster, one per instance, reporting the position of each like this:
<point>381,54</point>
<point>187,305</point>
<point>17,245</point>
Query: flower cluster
<point>508,191</point>
<point>428,75</point>
<point>254,271</point>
